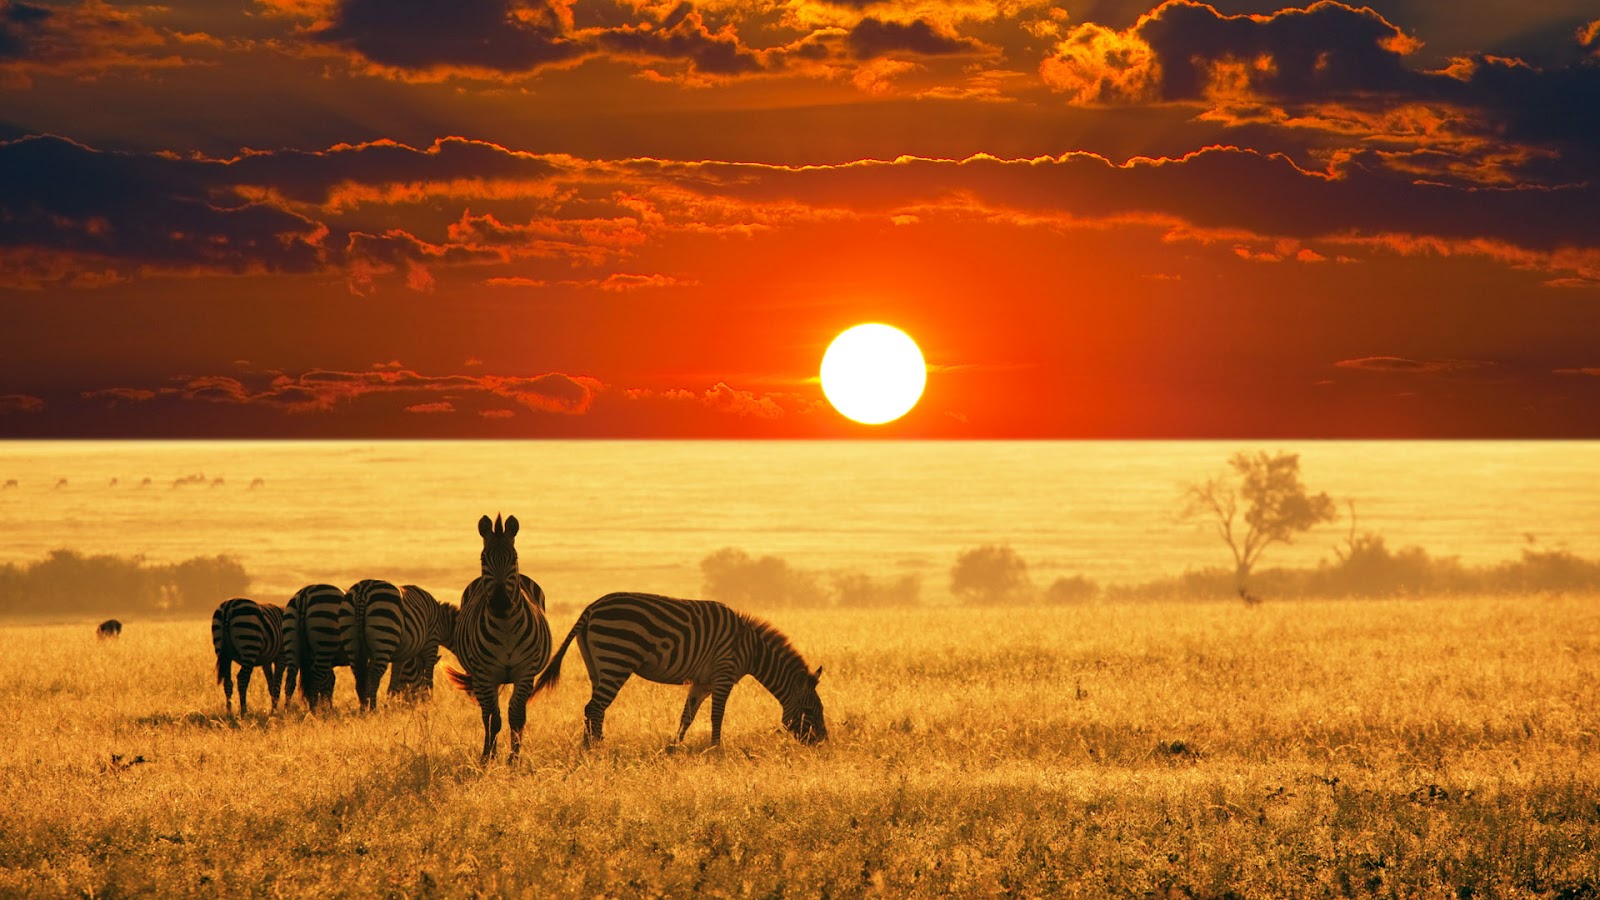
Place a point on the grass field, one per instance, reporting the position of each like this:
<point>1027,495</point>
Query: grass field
<point>1383,749</point>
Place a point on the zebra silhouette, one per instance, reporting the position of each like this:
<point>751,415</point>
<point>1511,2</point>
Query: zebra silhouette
<point>426,624</point>
<point>369,627</point>
<point>250,634</point>
<point>501,636</point>
<point>316,643</point>
<point>701,643</point>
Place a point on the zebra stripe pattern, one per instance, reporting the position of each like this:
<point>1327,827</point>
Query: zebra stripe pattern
<point>317,642</point>
<point>501,636</point>
<point>701,643</point>
<point>369,626</point>
<point>250,634</point>
<point>425,625</point>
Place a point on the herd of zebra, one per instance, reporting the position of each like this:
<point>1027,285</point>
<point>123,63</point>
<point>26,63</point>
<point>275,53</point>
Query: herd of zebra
<point>499,636</point>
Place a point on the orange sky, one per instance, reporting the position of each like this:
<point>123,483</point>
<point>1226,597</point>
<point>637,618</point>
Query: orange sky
<point>494,218</point>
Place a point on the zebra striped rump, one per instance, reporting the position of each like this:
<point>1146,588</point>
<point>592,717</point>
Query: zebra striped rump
<point>369,627</point>
<point>319,644</point>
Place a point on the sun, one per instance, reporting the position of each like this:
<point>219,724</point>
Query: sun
<point>873,373</point>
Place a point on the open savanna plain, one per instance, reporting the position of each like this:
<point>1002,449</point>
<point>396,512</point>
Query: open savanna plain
<point>1420,748</point>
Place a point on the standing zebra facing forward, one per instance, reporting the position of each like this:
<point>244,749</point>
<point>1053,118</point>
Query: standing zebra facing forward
<point>501,635</point>
<point>250,634</point>
<point>701,643</point>
<point>369,626</point>
<point>425,626</point>
<point>316,641</point>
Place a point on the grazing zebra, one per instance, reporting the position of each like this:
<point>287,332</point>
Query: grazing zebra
<point>369,625</point>
<point>501,635</point>
<point>250,634</point>
<point>425,625</point>
<point>701,643</point>
<point>317,643</point>
<point>110,628</point>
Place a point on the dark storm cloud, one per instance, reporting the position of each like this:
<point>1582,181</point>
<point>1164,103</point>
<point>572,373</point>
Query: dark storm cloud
<point>155,209</point>
<point>309,211</point>
<point>1328,48</point>
<point>683,35</point>
<point>1344,69</point>
<point>873,37</point>
<point>311,176</point>
<point>20,25</point>
<point>498,35</point>
<point>324,390</point>
<point>1220,187</point>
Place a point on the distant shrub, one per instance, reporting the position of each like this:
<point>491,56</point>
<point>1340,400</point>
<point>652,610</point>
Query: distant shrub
<point>856,590</point>
<point>1076,589</point>
<point>67,583</point>
<point>991,574</point>
<point>735,577</point>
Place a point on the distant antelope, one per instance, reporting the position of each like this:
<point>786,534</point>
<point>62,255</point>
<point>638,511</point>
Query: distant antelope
<point>257,482</point>
<point>110,628</point>
<point>1248,598</point>
<point>10,483</point>
<point>61,483</point>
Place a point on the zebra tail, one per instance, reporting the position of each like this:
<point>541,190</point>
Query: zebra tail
<point>302,652</point>
<point>225,650</point>
<point>460,680</point>
<point>552,672</point>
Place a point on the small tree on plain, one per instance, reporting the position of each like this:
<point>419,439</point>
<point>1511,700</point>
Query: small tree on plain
<point>1275,507</point>
<point>991,574</point>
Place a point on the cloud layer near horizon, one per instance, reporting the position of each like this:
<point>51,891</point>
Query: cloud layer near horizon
<point>1201,162</point>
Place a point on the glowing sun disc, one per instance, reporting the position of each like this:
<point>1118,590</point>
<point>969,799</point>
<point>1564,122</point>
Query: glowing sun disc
<point>873,373</point>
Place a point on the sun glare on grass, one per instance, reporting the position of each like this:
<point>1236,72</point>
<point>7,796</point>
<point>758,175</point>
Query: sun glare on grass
<point>873,373</point>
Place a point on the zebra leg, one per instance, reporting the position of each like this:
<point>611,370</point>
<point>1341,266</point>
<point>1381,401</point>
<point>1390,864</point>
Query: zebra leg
<point>275,682</point>
<point>423,683</point>
<point>517,713</point>
<point>719,702</point>
<point>244,688</point>
<point>375,675</point>
<point>360,672</point>
<point>289,675</point>
<point>489,702</point>
<point>227,684</point>
<point>603,691</point>
<point>691,706</point>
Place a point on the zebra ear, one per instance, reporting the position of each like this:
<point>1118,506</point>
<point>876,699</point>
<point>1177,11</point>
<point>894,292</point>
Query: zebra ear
<point>483,526</point>
<point>816,676</point>
<point>511,526</point>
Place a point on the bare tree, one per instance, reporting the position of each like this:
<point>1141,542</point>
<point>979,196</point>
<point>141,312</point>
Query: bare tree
<point>1262,503</point>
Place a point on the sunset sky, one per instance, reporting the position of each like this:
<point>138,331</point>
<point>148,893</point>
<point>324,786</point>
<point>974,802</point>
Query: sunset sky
<point>496,218</point>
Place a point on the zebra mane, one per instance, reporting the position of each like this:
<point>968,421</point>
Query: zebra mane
<point>776,641</point>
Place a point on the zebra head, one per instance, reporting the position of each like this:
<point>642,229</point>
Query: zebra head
<point>500,562</point>
<point>802,713</point>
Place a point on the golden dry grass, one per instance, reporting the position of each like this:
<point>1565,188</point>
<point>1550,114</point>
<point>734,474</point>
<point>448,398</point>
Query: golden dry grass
<point>1382,749</point>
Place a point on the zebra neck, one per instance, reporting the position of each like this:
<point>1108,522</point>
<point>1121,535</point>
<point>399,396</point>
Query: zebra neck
<point>776,666</point>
